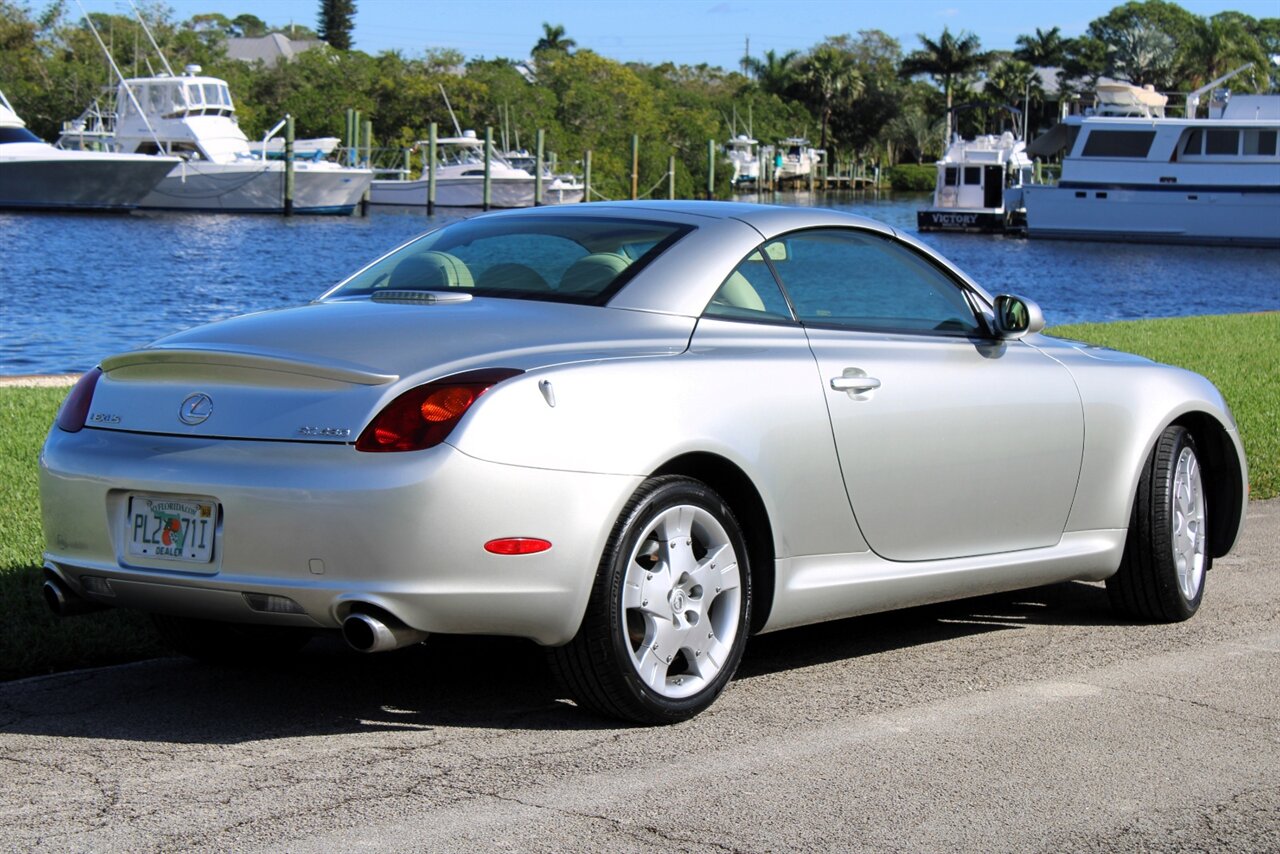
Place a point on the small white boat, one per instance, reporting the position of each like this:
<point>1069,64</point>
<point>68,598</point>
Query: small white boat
<point>193,117</point>
<point>979,185</point>
<point>794,159</point>
<point>743,154</point>
<point>1132,173</point>
<point>36,176</point>
<point>460,180</point>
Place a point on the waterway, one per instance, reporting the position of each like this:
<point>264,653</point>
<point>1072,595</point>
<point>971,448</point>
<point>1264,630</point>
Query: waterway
<point>77,288</point>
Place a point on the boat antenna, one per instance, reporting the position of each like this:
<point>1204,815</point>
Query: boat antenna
<point>456,126</point>
<point>124,84</point>
<point>152,39</point>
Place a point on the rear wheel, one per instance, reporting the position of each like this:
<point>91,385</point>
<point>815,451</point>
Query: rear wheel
<point>1161,577</point>
<point>667,621</point>
<point>229,643</point>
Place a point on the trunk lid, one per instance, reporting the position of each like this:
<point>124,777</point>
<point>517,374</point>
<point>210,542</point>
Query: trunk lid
<point>319,373</point>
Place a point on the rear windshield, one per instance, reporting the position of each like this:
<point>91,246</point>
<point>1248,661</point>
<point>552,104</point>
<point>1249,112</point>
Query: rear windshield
<point>564,259</point>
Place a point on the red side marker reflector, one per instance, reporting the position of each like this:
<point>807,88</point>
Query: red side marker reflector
<point>517,546</point>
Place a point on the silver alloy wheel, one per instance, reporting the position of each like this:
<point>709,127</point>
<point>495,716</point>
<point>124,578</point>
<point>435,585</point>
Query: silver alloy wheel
<point>1188,524</point>
<point>681,599</point>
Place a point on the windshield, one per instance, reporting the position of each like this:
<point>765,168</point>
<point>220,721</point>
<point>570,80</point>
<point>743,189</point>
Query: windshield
<point>564,259</point>
<point>8,135</point>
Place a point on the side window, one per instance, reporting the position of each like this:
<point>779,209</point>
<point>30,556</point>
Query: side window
<point>842,277</point>
<point>749,293</point>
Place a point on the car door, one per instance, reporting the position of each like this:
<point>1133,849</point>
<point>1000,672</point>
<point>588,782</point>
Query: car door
<point>951,442</point>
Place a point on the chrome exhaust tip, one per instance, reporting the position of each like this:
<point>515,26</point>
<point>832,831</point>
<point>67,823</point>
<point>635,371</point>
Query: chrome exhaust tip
<point>63,602</point>
<point>367,633</point>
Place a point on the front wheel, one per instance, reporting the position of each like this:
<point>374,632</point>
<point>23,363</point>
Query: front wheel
<point>1161,577</point>
<point>667,620</point>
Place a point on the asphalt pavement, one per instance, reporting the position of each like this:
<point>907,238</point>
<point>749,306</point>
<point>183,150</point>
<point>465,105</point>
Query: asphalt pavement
<point>1025,722</point>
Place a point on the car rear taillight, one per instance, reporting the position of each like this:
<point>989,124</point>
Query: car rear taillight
<point>75,409</point>
<point>422,417</point>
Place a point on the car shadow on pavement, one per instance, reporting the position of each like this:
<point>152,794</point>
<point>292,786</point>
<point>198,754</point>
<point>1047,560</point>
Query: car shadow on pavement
<point>469,682</point>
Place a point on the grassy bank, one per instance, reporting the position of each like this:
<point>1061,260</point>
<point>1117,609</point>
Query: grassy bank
<point>1238,352</point>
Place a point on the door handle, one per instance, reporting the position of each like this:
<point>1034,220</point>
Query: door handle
<point>855,385</point>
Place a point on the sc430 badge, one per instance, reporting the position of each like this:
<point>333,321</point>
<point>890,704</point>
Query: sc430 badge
<point>325,432</point>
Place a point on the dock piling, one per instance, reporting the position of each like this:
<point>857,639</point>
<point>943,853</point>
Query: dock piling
<point>671,177</point>
<point>586,175</point>
<point>432,134</point>
<point>635,166</point>
<point>288,165</point>
<point>488,166</point>
<point>537,174</point>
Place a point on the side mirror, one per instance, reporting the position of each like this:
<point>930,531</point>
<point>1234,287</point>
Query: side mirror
<point>1017,316</point>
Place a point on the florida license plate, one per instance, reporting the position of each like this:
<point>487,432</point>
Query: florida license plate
<point>171,528</point>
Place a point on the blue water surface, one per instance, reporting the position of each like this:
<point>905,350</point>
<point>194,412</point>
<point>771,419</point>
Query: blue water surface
<point>75,288</point>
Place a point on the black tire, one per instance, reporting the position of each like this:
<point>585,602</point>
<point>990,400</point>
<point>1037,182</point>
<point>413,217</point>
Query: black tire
<point>230,643</point>
<point>1149,585</point>
<point>602,666</point>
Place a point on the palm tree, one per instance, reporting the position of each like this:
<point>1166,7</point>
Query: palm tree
<point>1043,50</point>
<point>553,40</point>
<point>1142,55</point>
<point>829,72</point>
<point>1014,82</point>
<point>1221,44</point>
<point>774,73</point>
<point>916,131</point>
<point>945,60</point>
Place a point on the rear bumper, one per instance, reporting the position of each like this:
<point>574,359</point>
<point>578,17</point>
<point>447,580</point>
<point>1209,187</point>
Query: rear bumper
<point>328,527</point>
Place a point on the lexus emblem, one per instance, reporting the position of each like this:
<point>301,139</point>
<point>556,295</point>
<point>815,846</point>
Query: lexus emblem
<point>196,409</point>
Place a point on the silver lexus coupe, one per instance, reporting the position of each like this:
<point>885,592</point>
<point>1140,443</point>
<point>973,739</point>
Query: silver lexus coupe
<point>634,433</point>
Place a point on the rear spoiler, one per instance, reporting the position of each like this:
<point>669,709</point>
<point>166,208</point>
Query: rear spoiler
<point>327,369</point>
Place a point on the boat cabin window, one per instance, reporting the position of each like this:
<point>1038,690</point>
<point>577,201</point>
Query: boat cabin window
<point>1222,142</point>
<point>1230,142</point>
<point>972,176</point>
<point>952,177</point>
<point>1260,143</point>
<point>1118,143</point>
<point>8,135</point>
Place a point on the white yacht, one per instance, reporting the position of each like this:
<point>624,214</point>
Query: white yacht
<point>193,117</point>
<point>460,180</point>
<point>36,176</point>
<point>1132,173</point>
<point>743,154</point>
<point>979,185</point>
<point>795,160</point>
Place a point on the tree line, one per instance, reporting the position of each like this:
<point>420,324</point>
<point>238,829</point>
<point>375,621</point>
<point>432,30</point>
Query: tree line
<point>860,96</point>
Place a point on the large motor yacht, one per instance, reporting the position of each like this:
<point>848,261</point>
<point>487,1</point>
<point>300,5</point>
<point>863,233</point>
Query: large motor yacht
<point>460,180</point>
<point>36,176</point>
<point>1132,173</point>
<point>218,169</point>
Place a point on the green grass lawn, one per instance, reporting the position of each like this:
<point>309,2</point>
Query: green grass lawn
<point>1240,353</point>
<point>32,640</point>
